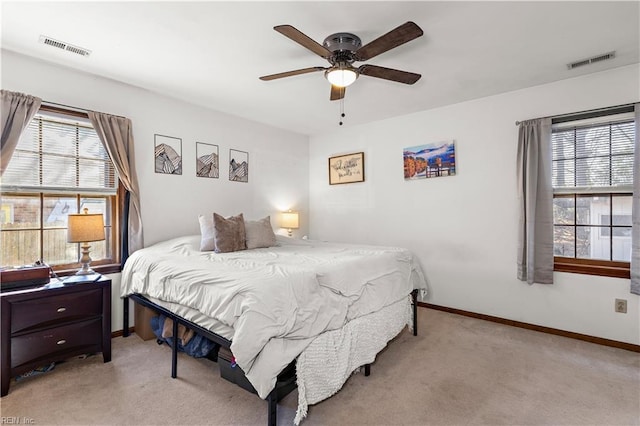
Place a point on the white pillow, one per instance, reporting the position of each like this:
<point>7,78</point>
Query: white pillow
<point>207,233</point>
<point>259,233</point>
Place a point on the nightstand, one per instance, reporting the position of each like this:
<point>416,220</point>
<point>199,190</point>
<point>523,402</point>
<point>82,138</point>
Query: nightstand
<point>53,322</point>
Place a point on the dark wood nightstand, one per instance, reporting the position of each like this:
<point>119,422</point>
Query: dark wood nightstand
<point>52,322</point>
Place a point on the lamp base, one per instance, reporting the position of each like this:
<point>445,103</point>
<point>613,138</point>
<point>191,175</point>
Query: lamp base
<point>85,271</point>
<point>85,260</point>
<point>289,232</point>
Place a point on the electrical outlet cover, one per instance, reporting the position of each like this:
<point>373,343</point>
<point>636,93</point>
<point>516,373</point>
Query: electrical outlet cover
<point>621,306</point>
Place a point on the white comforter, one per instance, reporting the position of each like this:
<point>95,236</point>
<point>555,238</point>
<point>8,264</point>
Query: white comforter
<point>277,300</point>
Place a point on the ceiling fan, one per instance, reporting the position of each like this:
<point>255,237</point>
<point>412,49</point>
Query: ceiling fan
<point>343,49</point>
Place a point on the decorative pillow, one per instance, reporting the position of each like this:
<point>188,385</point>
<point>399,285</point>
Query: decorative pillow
<point>229,233</point>
<point>207,237</point>
<point>259,233</point>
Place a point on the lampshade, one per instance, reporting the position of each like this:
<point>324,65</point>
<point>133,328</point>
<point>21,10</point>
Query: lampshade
<point>289,220</point>
<point>84,228</point>
<point>341,76</point>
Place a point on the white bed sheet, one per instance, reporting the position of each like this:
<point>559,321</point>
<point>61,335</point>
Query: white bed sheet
<point>276,300</point>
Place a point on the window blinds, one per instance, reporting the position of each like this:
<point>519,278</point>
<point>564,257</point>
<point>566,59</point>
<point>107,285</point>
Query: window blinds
<point>593,157</point>
<point>62,156</point>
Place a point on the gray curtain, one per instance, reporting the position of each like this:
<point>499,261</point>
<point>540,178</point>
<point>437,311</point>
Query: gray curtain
<point>117,135</point>
<point>535,196</point>
<point>17,111</point>
<point>635,233</point>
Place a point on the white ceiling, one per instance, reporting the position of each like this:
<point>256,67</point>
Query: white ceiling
<point>212,53</point>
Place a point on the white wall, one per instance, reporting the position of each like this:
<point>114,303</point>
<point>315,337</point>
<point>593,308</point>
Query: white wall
<point>463,228</point>
<point>278,177</point>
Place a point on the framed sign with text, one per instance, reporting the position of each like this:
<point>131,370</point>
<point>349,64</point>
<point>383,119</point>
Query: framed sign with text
<point>347,168</point>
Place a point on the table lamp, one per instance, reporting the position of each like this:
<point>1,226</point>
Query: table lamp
<point>290,220</point>
<point>85,228</point>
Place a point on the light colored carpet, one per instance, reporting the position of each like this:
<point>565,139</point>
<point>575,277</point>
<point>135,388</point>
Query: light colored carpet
<point>458,371</point>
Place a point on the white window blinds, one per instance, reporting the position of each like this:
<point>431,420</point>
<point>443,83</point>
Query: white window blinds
<point>60,155</point>
<point>596,156</point>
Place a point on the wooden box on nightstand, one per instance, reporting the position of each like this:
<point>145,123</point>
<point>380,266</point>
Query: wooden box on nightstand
<point>53,322</point>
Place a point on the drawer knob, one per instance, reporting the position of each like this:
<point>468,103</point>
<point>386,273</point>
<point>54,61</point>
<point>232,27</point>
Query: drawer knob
<point>62,309</point>
<point>61,342</point>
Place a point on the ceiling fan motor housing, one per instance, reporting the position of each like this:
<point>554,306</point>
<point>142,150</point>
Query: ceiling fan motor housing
<point>343,45</point>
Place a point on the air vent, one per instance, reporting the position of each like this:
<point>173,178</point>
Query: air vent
<point>64,46</point>
<point>592,60</point>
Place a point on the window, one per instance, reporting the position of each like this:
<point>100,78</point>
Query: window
<point>593,189</point>
<point>59,167</point>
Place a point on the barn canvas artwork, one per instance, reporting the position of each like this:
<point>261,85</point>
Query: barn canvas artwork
<point>429,160</point>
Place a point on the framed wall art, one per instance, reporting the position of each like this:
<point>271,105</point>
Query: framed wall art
<point>347,168</point>
<point>207,160</point>
<point>238,166</point>
<point>430,160</point>
<point>168,155</point>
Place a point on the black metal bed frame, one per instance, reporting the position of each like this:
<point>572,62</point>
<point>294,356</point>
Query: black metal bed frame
<point>285,382</point>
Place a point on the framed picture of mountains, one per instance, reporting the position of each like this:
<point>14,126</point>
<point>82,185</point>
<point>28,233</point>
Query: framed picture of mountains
<point>238,166</point>
<point>168,155</point>
<point>207,160</point>
<point>430,160</point>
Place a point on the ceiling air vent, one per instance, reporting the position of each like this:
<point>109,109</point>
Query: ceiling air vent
<point>592,60</point>
<point>64,46</point>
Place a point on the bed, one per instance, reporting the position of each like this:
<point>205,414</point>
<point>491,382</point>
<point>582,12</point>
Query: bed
<point>300,313</point>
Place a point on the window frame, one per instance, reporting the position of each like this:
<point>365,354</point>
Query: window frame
<point>605,268</point>
<point>103,266</point>
<point>598,267</point>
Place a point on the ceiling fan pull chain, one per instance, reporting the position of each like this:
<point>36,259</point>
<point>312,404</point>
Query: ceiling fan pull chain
<point>341,110</point>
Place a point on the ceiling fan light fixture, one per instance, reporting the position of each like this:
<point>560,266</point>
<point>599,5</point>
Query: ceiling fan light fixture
<point>341,77</point>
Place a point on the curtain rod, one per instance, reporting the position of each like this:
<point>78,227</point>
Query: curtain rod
<point>76,109</point>
<point>587,113</point>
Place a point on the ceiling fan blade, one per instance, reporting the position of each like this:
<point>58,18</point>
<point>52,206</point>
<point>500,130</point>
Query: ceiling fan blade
<point>291,73</point>
<point>389,74</point>
<point>303,40</point>
<point>394,38</point>
<point>337,93</point>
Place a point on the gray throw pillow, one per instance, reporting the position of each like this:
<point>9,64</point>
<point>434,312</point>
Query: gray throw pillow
<point>229,233</point>
<point>259,233</point>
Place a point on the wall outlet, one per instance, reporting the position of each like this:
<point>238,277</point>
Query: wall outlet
<point>621,306</point>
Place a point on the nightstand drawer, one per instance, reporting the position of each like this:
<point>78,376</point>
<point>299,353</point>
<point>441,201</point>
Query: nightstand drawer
<point>35,313</point>
<point>52,342</point>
